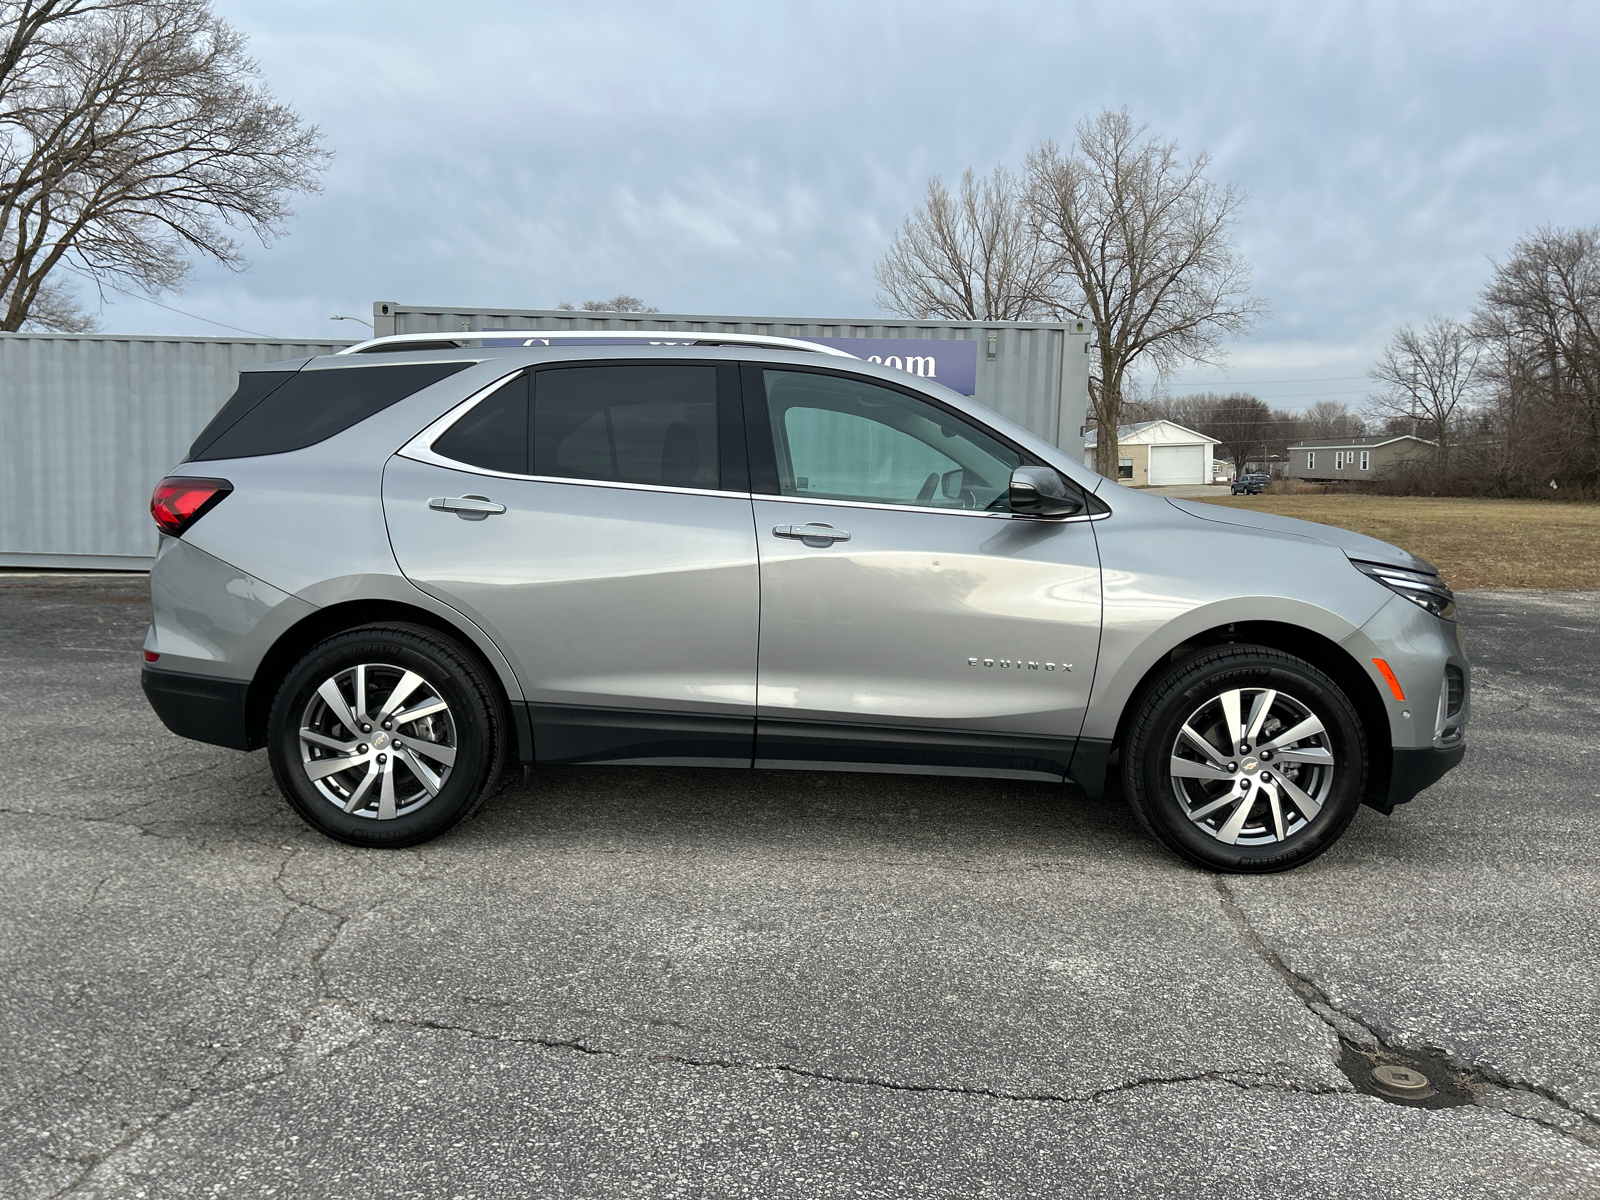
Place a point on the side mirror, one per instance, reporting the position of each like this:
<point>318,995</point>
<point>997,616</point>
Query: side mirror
<point>1041,492</point>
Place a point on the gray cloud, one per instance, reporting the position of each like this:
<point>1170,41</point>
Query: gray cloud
<point>756,159</point>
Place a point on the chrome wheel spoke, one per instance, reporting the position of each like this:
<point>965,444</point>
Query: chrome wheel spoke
<point>1230,717</point>
<point>1205,747</point>
<point>386,792</point>
<point>409,682</point>
<point>1258,715</point>
<point>1307,804</point>
<point>1277,812</point>
<point>1205,810</point>
<point>440,754</point>
<point>420,769</point>
<point>426,709</point>
<point>1234,825</point>
<point>361,691</point>
<point>321,768</point>
<point>359,796</point>
<point>334,699</point>
<point>1315,756</point>
<point>328,743</point>
<point>1188,768</point>
<point>1294,734</point>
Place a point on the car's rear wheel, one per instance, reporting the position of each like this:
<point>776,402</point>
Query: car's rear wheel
<point>1245,759</point>
<point>386,735</point>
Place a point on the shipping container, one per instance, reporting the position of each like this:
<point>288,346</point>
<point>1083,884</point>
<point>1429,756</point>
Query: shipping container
<point>90,422</point>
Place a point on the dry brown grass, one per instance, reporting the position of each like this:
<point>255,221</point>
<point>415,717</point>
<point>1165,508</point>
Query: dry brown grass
<point>1474,543</point>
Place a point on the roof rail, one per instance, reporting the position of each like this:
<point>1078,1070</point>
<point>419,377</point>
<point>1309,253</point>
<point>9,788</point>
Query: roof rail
<point>546,337</point>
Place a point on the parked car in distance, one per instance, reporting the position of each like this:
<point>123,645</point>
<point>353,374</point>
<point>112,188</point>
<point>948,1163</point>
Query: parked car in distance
<point>406,567</point>
<point>1249,484</point>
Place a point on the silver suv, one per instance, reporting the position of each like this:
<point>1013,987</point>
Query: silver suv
<point>408,566</point>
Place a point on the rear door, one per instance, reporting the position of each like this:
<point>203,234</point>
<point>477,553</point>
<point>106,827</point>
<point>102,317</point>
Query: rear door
<point>908,619</point>
<point>595,520</point>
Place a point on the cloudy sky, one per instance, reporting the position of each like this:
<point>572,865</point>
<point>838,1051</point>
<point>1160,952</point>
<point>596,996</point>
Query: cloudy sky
<point>756,158</point>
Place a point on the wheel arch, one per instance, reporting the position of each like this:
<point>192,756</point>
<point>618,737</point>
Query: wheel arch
<point>293,643</point>
<point>1322,652</point>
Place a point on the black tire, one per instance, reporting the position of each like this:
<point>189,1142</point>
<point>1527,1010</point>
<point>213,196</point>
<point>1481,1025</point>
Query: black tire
<point>1183,692</point>
<point>477,725</point>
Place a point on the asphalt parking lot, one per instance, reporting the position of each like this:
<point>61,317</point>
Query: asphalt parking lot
<point>627,982</point>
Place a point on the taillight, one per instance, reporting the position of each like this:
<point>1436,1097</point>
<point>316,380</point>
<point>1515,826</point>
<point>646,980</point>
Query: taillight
<point>179,501</point>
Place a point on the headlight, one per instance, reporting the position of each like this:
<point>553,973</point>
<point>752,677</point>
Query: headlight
<point>1423,590</point>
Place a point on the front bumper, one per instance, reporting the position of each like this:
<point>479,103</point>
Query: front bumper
<point>1415,770</point>
<point>201,707</point>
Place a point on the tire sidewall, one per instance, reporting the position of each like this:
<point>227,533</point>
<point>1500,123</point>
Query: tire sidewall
<point>1185,692</point>
<point>402,649</point>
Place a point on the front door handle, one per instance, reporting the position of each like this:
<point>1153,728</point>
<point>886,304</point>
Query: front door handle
<point>468,508</point>
<point>812,533</point>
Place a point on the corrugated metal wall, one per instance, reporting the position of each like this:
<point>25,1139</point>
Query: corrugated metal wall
<point>90,422</point>
<point>1034,374</point>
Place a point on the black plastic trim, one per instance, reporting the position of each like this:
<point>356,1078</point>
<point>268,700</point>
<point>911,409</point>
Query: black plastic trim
<point>200,707</point>
<point>1088,769</point>
<point>797,742</point>
<point>1415,770</point>
<point>594,734</point>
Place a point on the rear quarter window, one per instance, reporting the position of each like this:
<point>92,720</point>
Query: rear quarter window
<point>308,407</point>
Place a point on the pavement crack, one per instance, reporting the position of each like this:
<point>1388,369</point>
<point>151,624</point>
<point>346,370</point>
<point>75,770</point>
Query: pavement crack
<point>1363,1047</point>
<point>1243,1081</point>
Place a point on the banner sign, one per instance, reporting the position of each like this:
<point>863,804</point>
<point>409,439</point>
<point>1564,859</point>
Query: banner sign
<point>952,363</point>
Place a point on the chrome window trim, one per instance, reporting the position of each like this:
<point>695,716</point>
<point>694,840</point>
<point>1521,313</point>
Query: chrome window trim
<point>946,512</point>
<point>420,449</point>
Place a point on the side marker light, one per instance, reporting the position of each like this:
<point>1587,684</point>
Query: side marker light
<point>1388,676</point>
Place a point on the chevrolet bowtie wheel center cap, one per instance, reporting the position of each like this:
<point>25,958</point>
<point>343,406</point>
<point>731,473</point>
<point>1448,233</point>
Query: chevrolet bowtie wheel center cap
<point>1250,764</point>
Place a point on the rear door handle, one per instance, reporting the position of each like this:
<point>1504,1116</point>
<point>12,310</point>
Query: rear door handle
<point>811,533</point>
<point>468,508</point>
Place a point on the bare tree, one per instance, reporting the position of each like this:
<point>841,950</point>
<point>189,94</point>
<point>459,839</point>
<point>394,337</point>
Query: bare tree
<point>621,302</point>
<point>133,134</point>
<point>1243,426</point>
<point>969,256</point>
<point>1428,375</point>
<point>1539,320</point>
<point>1330,419</point>
<point>1144,241</point>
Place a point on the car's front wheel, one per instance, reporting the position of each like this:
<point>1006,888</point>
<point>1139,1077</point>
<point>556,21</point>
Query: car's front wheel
<point>1245,759</point>
<point>386,735</point>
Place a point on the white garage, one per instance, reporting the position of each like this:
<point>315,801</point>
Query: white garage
<point>1178,464</point>
<point>1158,454</point>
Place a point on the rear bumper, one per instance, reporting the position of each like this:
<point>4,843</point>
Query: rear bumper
<point>201,707</point>
<point>1415,770</point>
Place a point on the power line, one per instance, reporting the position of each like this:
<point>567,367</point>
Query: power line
<point>181,313</point>
<point>1259,382</point>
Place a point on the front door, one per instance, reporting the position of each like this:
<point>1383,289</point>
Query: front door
<point>595,521</point>
<point>908,619</point>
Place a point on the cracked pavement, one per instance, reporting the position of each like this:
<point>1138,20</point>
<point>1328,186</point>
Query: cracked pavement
<point>679,982</point>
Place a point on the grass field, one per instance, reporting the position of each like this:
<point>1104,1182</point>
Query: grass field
<point>1474,543</point>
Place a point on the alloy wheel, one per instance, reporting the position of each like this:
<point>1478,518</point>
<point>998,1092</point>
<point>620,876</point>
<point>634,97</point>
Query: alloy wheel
<point>1252,766</point>
<point>377,741</point>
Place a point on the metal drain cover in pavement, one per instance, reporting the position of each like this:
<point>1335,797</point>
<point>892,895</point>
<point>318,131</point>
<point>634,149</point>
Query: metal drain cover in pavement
<point>1401,1081</point>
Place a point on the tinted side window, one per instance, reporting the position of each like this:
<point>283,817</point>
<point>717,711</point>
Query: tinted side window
<point>494,435</point>
<point>312,406</point>
<point>845,439</point>
<point>628,424</point>
<point>254,387</point>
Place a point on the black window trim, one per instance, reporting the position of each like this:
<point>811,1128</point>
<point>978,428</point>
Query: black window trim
<point>732,451</point>
<point>196,449</point>
<point>764,467</point>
